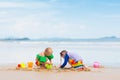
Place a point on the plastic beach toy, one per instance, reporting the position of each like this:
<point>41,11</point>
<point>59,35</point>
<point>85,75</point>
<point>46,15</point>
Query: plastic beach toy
<point>30,65</point>
<point>37,63</point>
<point>96,65</point>
<point>23,65</point>
<point>48,66</point>
<point>19,65</point>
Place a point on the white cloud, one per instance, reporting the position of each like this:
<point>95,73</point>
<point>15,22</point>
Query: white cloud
<point>82,27</point>
<point>7,16</point>
<point>10,4</point>
<point>23,5</point>
<point>3,13</point>
<point>41,23</point>
<point>44,25</point>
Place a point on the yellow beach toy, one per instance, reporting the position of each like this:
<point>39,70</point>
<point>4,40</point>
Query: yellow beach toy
<point>23,65</point>
<point>48,66</point>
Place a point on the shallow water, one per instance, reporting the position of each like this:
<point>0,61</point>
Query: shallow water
<point>106,53</point>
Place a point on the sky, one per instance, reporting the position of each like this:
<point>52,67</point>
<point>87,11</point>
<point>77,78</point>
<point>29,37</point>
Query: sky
<point>59,18</point>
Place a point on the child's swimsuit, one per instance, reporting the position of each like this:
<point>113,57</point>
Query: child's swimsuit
<point>73,59</point>
<point>66,59</point>
<point>43,59</point>
<point>50,57</point>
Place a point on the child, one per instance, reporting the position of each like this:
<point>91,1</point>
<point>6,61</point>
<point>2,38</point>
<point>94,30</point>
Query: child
<point>44,57</point>
<point>73,59</point>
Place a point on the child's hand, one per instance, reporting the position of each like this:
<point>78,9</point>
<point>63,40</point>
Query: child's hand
<point>59,66</point>
<point>48,63</point>
<point>36,59</point>
<point>51,63</point>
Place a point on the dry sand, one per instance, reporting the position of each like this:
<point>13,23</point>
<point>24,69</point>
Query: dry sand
<point>56,74</point>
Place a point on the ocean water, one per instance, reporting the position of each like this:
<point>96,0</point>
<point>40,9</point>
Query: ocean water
<point>106,53</point>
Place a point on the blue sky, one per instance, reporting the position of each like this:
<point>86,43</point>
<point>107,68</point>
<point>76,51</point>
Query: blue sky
<point>59,18</point>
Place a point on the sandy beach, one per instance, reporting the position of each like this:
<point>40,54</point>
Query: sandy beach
<point>105,53</point>
<point>94,74</point>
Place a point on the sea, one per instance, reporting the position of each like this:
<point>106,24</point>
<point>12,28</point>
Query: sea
<point>106,53</point>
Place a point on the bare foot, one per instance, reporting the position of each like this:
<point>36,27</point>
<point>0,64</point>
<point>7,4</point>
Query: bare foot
<point>87,69</point>
<point>80,69</point>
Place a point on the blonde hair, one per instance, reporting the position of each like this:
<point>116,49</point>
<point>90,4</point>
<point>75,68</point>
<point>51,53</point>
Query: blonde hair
<point>49,50</point>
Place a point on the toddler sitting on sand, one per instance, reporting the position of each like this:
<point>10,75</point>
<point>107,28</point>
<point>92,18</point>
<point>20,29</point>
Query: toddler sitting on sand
<point>44,57</point>
<point>73,59</point>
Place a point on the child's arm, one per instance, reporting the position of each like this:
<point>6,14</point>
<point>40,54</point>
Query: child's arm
<point>47,61</point>
<point>66,59</point>
<point>36,59</point>
<point>50,57</point>
<point>50,61</point>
